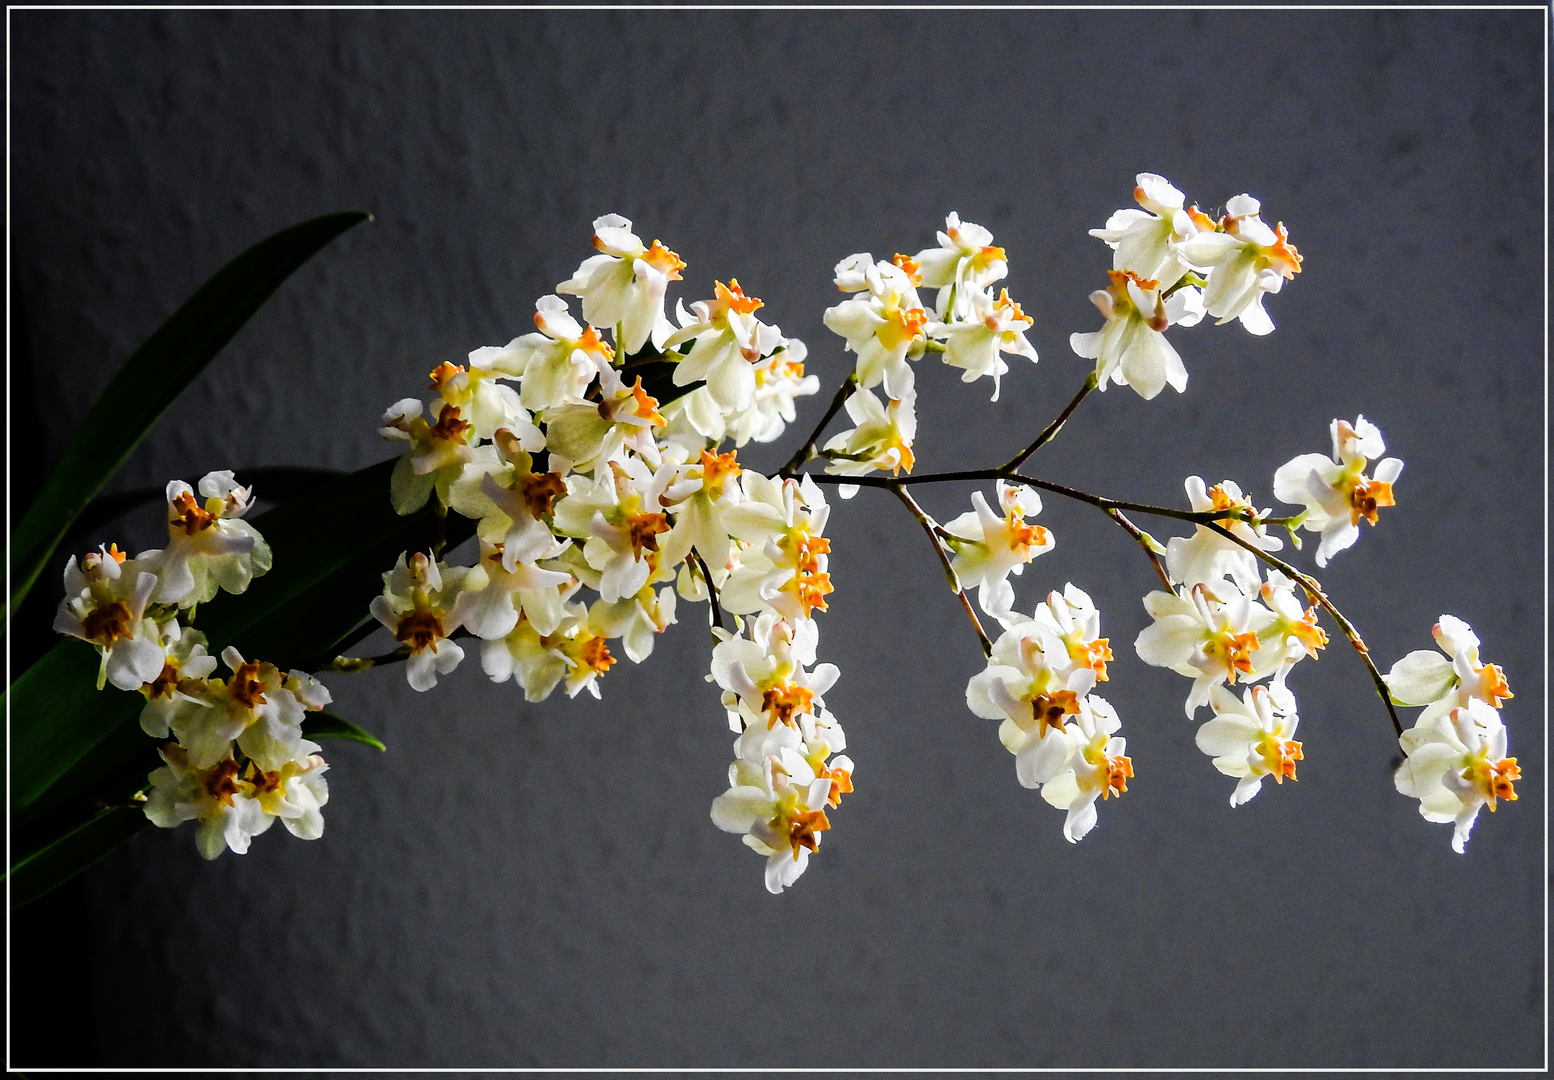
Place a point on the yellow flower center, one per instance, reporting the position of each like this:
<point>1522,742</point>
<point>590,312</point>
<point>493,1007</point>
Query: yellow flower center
<point>1279,756</point>
<point>901,325</point>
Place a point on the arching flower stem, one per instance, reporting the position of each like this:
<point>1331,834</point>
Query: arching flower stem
<point>714,609</point>
<point>931,527</point>
<point>1145,542</point>
<point>807,450</point>
<point>1052,429</point>
<point>1112,507</point>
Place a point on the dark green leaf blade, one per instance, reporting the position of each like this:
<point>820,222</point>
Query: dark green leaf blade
<point>152,378</point>
<point>68,855</point>
<point>326,725</point>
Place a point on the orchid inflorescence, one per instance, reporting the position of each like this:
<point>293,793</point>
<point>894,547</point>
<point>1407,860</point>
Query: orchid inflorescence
<point>597,460</point>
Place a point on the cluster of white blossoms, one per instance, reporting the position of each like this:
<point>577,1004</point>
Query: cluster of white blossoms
<point>1175,264</point>
<point>1226,622</point>
<point>1454,759</point>
<point>886,325</point>
<point>596,459</point>
<point>1037,683</point>
<point>235,757</point>
<point>596,505</point>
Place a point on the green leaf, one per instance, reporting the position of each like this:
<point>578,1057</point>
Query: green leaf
<point>57,862</point>
<point>152,378</point>
<point>326,725</point>
<point>330,552</point>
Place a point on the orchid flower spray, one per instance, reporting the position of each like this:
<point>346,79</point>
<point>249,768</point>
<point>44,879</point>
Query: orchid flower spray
<point>599,466</point>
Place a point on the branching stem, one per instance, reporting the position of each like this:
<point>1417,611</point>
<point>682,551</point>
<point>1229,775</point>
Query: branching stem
<point>1052,429</point>
<point>931,527</point>
<point>714,609</point>
<point>1144,542</point>
<point>1113,508</point>
<point>807,451</point>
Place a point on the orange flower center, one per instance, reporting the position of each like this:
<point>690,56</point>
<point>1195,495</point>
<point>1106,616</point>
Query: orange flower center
<point>644,529</point>
<point>1011,311</point>
<point>1366,497</point>
<point>717,470</point>
<point>421,629</point>
<point>841,784</point>
<point>540,491</point>
<point>1502,774</point>
<point>221,782</point>
<point>591,342</point>
<point>802,827</point>
<point>1093,655</point>
<point>1282,256</point>
<point>782,702</point>
<point>449,427</point>
<point>646,405</point>
<point>107,624</point>
<point>1494,687</point>
<point>1023,537</point>
<point>444,373</point>
<point>731,297</point>
<point>189,515</point>
<point>1201,221</point>
<point>810,588</point>
<point>1233,651</point>
<point>903,449</point>
<point>1311,636</point>
<point>245,688</point>
<point>1048,710</point>
<point>910,267</point>
<point>1280,756</point>
<point>595,654</point>
<point>809,548</point>
<point>1119,770</point>
<point>664,261</point>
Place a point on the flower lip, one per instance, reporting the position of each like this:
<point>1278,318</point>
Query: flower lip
<point>186,514</point>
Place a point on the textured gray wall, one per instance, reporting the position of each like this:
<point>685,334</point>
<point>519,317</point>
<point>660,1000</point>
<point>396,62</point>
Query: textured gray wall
<point>541,885</point>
